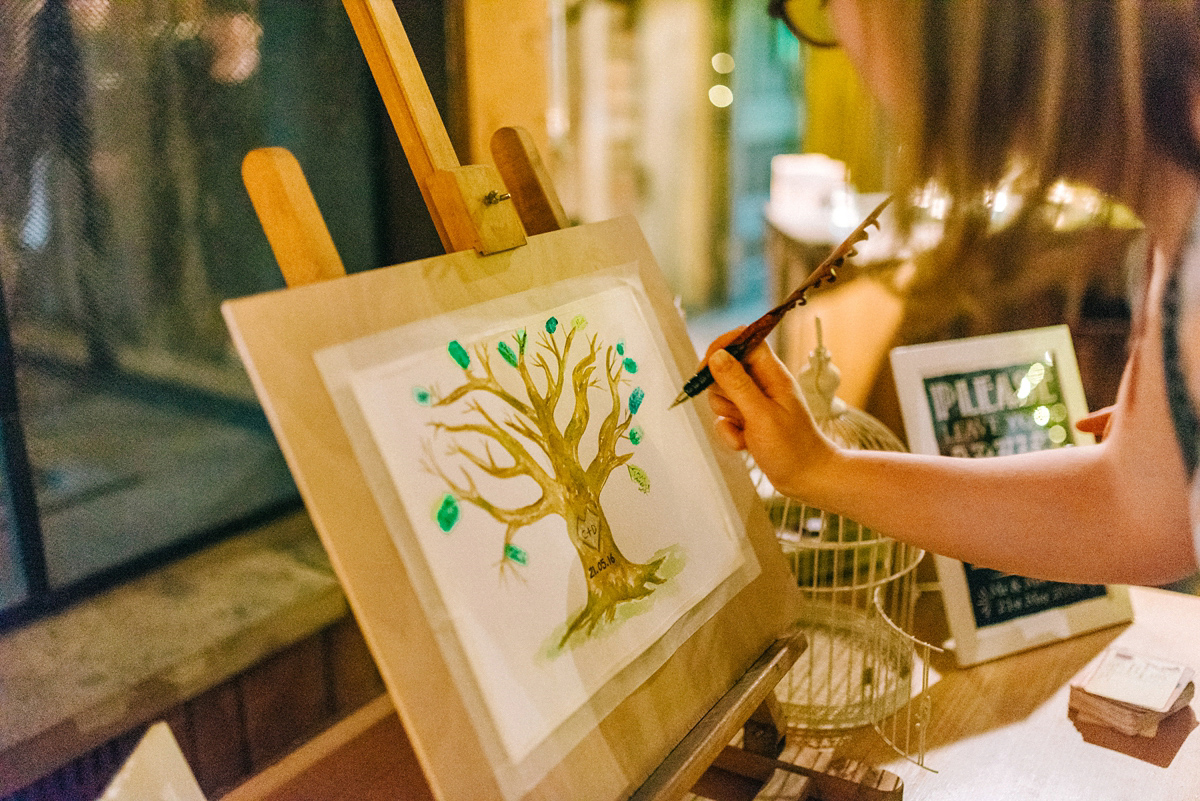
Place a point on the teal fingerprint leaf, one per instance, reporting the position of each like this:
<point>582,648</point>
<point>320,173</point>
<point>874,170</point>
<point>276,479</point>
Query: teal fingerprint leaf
<point>459,354</point>
<point>621,348</point>
<point>422,396</point>
<point>635,399</point>
<point>507,353</point>
<point>630,365</point>
<point>639,477</point>
<point>447,513</point>
<point>515,554</point>
<point>636,435</point>
<point>551,325</point>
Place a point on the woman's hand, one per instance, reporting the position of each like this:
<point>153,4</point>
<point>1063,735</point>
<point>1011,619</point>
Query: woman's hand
<point>760,409</point>
<point>1097,423</point>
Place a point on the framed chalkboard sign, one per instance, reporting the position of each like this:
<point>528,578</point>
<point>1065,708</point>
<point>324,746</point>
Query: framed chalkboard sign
<point>991,396</point>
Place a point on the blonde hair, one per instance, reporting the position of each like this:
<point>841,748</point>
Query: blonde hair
<point>1046,83</point>
<point>1034,90</point>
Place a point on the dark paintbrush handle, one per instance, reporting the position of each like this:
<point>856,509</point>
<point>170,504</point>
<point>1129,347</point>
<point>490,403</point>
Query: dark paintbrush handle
<point>758,330</point>
<point>747,341</point>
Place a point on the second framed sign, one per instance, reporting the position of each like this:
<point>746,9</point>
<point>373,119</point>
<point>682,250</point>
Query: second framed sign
<point>993,396</point>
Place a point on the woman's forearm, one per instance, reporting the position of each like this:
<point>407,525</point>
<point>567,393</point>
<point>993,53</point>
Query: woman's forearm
<point>1065,514</point>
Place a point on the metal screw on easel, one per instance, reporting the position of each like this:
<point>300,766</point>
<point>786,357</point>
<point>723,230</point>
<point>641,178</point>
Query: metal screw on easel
<point>494,197</point>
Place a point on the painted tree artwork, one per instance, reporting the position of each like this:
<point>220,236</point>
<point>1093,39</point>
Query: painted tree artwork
<point>562,527</point>
<point>569,488</point>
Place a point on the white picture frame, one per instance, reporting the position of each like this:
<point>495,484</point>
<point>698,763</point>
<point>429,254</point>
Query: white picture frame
<point>993,395</point>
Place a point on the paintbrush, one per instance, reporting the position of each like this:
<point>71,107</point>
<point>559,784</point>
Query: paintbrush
<point>757,331</point>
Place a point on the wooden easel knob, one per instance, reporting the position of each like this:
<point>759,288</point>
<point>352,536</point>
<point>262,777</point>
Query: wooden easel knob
<point>289,215</point>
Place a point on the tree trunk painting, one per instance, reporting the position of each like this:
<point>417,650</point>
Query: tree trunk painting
<point>611,578</point>
<point>532,441</point>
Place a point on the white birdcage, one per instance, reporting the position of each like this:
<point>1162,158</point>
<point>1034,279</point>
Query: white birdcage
<point>863,666</point>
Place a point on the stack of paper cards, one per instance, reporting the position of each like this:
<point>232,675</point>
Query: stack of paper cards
<point>1130,692</point>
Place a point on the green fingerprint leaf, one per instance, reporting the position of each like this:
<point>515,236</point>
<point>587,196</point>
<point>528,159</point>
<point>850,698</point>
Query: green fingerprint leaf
<point>630,365</point>
<point>447,513</point>
<point>639,477</point>
<point>635,400</point>
<point>579,322</point>
<point>422,396</point>
<point>636,435</point>
<point>459,354</point>
<point>521,338</point>
<point>621,348</point>
<point>551,325</point>
<point>515,554</point>
<point>507,353</point>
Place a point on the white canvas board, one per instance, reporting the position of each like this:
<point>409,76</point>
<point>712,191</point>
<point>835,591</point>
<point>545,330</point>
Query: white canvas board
<point>503,598</point>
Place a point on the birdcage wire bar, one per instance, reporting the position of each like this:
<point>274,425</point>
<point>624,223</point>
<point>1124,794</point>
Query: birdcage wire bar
<point>905,730</point>
<point>860,600</point>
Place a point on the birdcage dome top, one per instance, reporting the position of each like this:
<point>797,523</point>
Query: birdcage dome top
<point>845,425</point>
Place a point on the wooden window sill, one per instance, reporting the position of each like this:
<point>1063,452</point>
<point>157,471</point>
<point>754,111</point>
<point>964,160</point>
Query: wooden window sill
<point>72,682</point>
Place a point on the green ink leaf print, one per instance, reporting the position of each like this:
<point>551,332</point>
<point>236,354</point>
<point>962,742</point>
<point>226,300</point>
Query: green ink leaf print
<point>630,365</point>
<point>515,554</point>
<point>579,322</point>
<point>507,353</point>
<point>639,477</point>
<point>551,325</point>
<point>459,354</point>
<point>422,396</point>
<point>521,339</point>
<point>447,513</point>
<point>635,400</point>
<point>621,348</point>
<point>636,435</point>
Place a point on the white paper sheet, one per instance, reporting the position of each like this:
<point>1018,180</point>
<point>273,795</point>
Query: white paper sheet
<point>501,600</point>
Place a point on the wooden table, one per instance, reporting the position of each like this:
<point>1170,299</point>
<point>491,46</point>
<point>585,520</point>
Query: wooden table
<point>999,732</point>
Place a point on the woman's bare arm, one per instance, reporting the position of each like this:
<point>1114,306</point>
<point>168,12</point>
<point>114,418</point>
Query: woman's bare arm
<point>1112,512</point>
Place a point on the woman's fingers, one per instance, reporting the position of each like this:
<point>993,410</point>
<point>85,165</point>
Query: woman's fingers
<point>1097,422</point>
<point>759,409</point>
<point>736,384</point>
<point>721,405</point>
<point>771,375</point>
<point>731,434</point>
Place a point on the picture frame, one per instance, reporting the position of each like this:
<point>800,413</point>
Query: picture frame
<point>318,356</point>
<point>994,395</point>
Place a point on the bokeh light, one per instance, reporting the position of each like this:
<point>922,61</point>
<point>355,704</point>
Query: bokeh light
<point>720,95</point>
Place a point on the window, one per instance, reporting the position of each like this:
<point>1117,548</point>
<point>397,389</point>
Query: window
<point>130,432</point>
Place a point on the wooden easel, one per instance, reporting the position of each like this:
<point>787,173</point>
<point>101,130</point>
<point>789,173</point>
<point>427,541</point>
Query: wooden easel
<point>491,210</point>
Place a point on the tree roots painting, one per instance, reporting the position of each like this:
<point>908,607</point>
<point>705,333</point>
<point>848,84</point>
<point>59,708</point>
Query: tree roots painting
<point>533,445</point>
